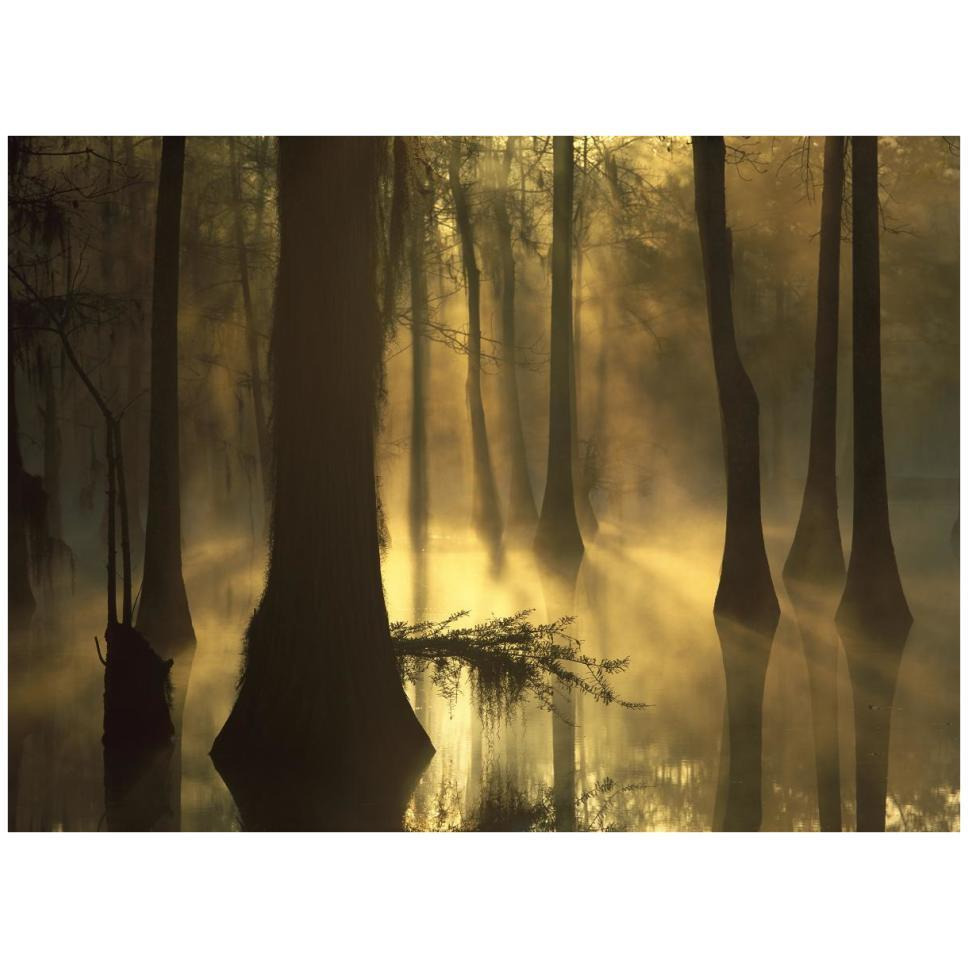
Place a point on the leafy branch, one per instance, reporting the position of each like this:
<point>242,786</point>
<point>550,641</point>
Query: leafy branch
<point>505,660</point>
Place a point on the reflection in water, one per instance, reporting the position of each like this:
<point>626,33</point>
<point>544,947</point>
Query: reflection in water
<point>648,598</point>
<point>282,801</point>
<point>138,790</point>
<point>874,665</point>
<point>814,608</point>
<point>746,654</point>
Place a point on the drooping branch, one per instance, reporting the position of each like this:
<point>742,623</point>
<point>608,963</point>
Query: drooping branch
<point>506,659</point>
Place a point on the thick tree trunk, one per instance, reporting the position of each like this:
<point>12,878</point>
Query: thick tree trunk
<point>251,329</point>
<point>522,516</point>
<point>873,617</point>
<point>321,704</point>
<point>746,607</point>
<point>558,542</point>
<point>163,615</point>
<point>486,514</point>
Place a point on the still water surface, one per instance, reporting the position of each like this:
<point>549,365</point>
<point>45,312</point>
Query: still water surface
<point>644,595</point>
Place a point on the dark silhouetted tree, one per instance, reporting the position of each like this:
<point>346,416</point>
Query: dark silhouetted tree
<point>320,696</point>
<point>814,569</point>
<point>873,618</point>
<point>163,615</point>
<point>746,608</point>
<point>558,542</point>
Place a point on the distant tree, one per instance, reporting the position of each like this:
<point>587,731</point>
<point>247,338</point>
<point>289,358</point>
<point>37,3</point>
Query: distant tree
<point>252,335</point>
<point>558,542</point>
<point>522,517</point>
<point>487,513</point>
<point>420,203</point>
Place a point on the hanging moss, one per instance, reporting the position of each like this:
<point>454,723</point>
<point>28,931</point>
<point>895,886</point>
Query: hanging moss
<point>505,661</point>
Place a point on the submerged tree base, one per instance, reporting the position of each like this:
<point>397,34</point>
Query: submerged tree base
<point>137,693</point>
<point>275,797</point>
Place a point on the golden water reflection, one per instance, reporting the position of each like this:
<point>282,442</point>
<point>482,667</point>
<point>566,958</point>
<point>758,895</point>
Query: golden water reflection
<point>660,768</point>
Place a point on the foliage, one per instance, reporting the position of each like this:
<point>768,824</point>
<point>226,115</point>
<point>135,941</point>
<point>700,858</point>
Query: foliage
<point>505,660</point>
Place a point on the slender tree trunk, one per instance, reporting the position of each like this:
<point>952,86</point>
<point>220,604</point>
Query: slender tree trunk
<point>112,542</point>
<point>746,592</point>
<point>251,329</point>
<point>418,417</point>
<point>776,388</point>
<point>599,440</point>
<point>126,605</point>
<point>581,467</point>
<point>558,542</point>
<point>817,555</point>
<point>321,701</point>
<point>52,453</point>
<point>746,608</point>
<point>814,569</point>
<point>873,617</point>
<point>21,595</point>
<point>487,514</point>
<point>522,515</point>
<point>163,615</point>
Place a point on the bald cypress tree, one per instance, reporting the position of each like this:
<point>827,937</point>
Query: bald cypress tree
<point>486,512</point>
<point>873,617</point>
<point>320,695</point>
<point>522,516</point>
<point>558,542</point>
<point>163,615</point>
<point>746,608</point>
<point>814,569</point>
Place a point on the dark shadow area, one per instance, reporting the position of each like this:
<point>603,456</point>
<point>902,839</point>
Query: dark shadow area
<point>278,799</point>
<point>138,791</point>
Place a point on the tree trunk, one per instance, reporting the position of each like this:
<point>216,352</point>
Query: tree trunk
<point>251,330</point>
<point>21,595</point>
<point>746,593</point>
<point>587,520</point>
<point>817,554</point>
<point>52,453</point>
<point>135,428</point>
<point>486,514</point>
<point>418,416</point>
<point>163,615</point>
<point>746,608</point>
<point>873,617</point>
<point>321,703</point>
<point>814,569</point>
<point>522,515</point>
<point>558,542</point>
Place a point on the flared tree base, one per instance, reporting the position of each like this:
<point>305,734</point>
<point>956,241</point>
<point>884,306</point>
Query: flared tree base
<point>137,695</point>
